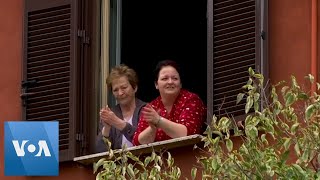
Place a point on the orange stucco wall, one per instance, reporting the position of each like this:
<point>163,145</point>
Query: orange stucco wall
<point>10,65</point>
<point>289,39</point>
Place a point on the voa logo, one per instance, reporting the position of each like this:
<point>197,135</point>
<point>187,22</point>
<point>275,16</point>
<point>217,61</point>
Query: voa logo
<point>31,148</point>
<point>41,147</point>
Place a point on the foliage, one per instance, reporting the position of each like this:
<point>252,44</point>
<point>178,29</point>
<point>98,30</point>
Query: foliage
<point>280,140</point>
<point>281,126</point>
<point>128,166</point>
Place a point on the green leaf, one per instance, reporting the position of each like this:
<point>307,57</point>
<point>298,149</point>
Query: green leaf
<point>134,158</point>
<point>249,82</point>
<point>153,156</point>
<point>310,78</point>
<point>252,131</point>
<point>214,164</point>
<point>214,119</point>
<point>98,164</point>
<point>318,86</point>
<point>147,160</point>
<point>130,171</point>
<point>229,145</point>
<point>239,97</point>
<point>305,155</point>
<point>284,89</point>
<point>284,157</point>
<point>297,149</point>
<point>256,106</point>
<point>248,104</point>
<point>294,83</point>
<point>110,153</point>
<point>193,173</point>
<point>302,96</point>
<point>286,143</point>
<point>289,98</point>
<point>259,76</point>
<point>263,139</point>
<point>256,96</point>
<point>300,170</point>
<point>309,111</point>
<point>218,133</point>
<point>251,72</point>
<point>294,128</point>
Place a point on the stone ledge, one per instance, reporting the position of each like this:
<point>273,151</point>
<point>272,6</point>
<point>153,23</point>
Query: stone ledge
<point>145,148</point>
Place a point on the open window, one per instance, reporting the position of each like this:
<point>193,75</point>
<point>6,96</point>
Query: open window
<point>214,41</point>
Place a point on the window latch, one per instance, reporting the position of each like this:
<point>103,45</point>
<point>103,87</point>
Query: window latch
<point>263,35</point>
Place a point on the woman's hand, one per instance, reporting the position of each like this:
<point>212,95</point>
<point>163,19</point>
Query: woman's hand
<point>150,115</point>
<point>108,117</point>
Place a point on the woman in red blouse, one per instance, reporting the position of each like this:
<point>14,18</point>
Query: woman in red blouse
<point>175,113</point>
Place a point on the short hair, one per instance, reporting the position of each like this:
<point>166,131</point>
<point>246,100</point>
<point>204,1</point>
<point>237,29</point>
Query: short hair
<point>164,63</point>
<point>120,71</point>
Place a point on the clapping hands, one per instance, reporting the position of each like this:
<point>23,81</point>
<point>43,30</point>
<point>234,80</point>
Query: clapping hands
<point>107,116</point>
<point>150,115</point>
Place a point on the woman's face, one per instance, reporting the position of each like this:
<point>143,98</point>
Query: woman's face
<point>123,91</point>
<point>168,82</point>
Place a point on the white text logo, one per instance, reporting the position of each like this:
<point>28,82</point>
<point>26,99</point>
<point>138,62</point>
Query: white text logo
<point>42,144</point>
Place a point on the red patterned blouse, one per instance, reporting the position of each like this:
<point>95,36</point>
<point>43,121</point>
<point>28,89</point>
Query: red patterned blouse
<point>188,110</point>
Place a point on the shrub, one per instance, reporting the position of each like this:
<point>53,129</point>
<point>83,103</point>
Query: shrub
<point>280,124</point>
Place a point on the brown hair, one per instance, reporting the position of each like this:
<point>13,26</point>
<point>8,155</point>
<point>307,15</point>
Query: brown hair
<point>165,63</point>
<point>120,71</point>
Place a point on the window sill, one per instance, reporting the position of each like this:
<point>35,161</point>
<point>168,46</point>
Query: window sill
<point>145,148</point>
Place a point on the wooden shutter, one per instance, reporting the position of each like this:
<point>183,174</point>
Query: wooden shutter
<point>234,37</point>
<point>49,59</point>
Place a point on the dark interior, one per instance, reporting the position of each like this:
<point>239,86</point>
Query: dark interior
<point>166,29</point>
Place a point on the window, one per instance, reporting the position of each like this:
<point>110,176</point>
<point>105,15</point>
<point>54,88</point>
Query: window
<point>66,57</point>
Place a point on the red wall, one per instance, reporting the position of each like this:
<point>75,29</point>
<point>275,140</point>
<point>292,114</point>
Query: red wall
<point>11,13</point>
<point>289,39</point>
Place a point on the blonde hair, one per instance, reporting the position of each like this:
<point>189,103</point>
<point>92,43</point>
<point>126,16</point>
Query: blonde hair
<point>120,71</point>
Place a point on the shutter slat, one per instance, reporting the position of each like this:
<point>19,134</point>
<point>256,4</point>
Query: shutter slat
<point>49,112</point>
<point>47,51</point>
<point>46,66</point>
<point>48,71</point>
<point>36,104</point>
<point>49,86</point>
<point>49,117</point>
<point>49,56</point>
<point>50,45</point>
<point>49,62</point>
<point>234,51</point>
<point>223,62</point>
<point>38,40</point>
<point>48,97</point>
<point>48,107</point>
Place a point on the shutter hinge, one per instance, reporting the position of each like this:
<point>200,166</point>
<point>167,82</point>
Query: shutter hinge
<point>79,137</point>
<point>82,140</point>
<point>84,36</point>
<point>263,35</point>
